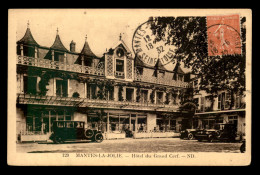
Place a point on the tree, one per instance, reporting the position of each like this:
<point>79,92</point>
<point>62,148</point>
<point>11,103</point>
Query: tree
<point>189,36</point>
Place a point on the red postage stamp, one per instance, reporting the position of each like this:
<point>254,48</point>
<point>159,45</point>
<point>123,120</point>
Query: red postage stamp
<point>223,35</point>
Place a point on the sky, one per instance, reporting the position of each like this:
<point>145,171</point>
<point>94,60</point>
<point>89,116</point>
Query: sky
<point>102,26</point>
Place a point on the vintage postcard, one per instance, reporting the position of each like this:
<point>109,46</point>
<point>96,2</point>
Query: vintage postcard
<point>129,87</point>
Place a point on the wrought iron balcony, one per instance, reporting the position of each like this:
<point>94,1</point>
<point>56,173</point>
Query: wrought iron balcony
<point>94,103</point>
<point>45,63</point>
<point>162,81</point>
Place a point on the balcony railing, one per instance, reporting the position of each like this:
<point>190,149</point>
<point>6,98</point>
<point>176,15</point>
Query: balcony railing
<point>84,102</point>
<point>45,63</point>
<point>162,81</point>
<point>211,110</point>
<point>119,74</point>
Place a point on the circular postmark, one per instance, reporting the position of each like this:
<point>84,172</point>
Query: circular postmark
<point>149,51</point>
<point>223,39</point>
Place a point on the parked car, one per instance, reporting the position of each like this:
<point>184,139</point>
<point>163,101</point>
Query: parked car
<point>188,134</point>
<point>73,130</point>
<point>223,132</point>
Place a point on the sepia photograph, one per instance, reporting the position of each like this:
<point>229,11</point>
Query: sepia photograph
<point>129,87</point>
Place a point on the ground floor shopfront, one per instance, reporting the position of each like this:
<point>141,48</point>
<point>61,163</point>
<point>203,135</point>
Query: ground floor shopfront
<point>34,121</point>
<point>210,120</point>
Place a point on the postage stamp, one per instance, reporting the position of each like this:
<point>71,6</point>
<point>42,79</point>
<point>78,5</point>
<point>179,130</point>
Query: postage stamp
<point>149,87</point>
<point>224,36</point>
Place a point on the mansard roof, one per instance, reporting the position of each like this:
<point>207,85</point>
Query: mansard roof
<point>28,38</point>
<point>57,45</point>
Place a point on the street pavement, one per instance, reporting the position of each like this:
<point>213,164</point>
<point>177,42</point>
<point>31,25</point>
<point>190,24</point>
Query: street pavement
<point>129,146</point>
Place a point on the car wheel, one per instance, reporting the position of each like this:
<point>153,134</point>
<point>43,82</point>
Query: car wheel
<point>210,139</point>
<point>60,140</point>
<point>190,136</point>
<point>89,133</point>
<point>55,140</point>
<point>98,137</point>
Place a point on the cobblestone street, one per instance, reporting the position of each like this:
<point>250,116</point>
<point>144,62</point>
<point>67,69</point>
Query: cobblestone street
<point>131,145</point>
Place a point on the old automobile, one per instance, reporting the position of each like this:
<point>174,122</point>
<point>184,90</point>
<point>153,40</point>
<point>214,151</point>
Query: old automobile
<point>73,131</point>
<point>221,132</point>
<point>188,134</point>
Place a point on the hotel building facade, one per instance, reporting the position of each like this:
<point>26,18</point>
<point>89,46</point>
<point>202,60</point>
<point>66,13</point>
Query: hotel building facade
<point>112,93</point>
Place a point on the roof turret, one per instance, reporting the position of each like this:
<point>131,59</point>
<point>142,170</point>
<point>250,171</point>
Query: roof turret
<point>28,38</point>
<point>86,50</point>
<point>57,45</point>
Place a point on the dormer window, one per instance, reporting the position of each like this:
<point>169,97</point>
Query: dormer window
<point>120,65</point>
<point>28,51</point>
<point>88,62</point>
<point>180,77</point>
<point>155,73</point>
<point>59,56</point>
<point>140,70</point>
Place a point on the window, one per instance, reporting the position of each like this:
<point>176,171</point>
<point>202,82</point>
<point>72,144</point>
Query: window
<point>224,101</point>
<point>140,70</point>
<point>159,97</point>
<point>223,97</point>
<point>160,124</point>
<point>91,91</point>
<point>208,104</point>
<point>120,65</point>
<point>227,100</point>
<point>180,77</point>
<point>28,51</point>
<point>61,88</point>
<point>30,84</point>
<point>219,102</point>
<point>129,94</point>
<point>202,103</point>
<point>208,123</point>
<point>88,62</point>
<point>58,56</point>
<point>172,124</point>
<point>144,96</point>
<point>110,94</point>
<point>239,102</point>
<point>232,119</point>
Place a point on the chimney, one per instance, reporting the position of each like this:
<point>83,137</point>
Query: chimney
<point>72,46</point>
